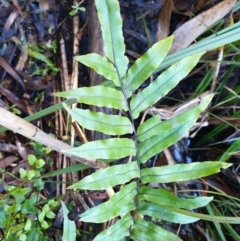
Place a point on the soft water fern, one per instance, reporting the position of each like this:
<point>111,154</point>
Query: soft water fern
<point>135,198</point>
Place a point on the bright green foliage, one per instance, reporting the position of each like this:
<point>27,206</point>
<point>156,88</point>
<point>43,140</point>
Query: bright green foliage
<point>43,58</point>
<point>45,213</point>
<point>111,25</point>
<point>117,231</point>
<point>31,159</point>
<point>98,121</point>
<point>113,148</point>
<point>69,227</point>
<point>146,231</point>
<point>16,210</point>
<point>157,143</point>
<point>181,172</point>
<point>36,166</point>
<point>98,96</point>
<point>213,218</point>
<point>134,198</point>
<point>162,85</point>
<point>119,204</point>
<point>163,197</point>
<point>159,212</point>
<point>21,215</point>
<point>77,7</point>
<point>146,65</point>
<point>101,65</point>
<point>109,177</point>
<point>154,125</point>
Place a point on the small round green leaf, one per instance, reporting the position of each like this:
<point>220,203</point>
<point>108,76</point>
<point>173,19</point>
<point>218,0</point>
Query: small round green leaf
<point>23,173</point>
<point>41,216</point>
<point>31,174</point>
<point>50,215</point>
<point>31,159</point>
<point>40,163</point>
<point>44,224</point>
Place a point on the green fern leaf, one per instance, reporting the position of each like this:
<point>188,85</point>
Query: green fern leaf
<point>146,231</point>
<point>113,148</point>
<point>152,137</point>
<point>162,197</point>
<point>163,213</point>
<point>111,25</point>
<point>101,65</point>
<point>98,121</point>
<point>145,65</point>
<point>181,172</point>
<point>158,143</point>
<point>147,126</point>
<point>69,227</point>
<point>109,177</point>
<point>163,84</point>
<point>117,231</point>
<point>219,219</point>
<point>154,126</point>
<point>97,95</point>
<point>119,204</point>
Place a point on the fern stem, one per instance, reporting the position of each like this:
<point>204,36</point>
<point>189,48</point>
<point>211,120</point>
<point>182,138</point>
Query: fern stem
<point>136,146</point>
<point>135,136</point>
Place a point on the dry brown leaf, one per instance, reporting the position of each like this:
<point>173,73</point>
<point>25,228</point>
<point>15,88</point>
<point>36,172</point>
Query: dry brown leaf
<point>164,20</point>
<point>13,98</point>
<point>11,71</point>
<point>189,31</point>
<point>202,4</point>
<point>24,51</point>
<point>169,113</point>
<point>7,161</point>
<point>223,119</point>
<point>11,19</point>
<point>5,147</point>
<point>184,5</point>
<point>16,4</point>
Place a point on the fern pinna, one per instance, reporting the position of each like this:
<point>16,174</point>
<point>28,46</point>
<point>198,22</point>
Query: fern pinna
<point>136,199</point>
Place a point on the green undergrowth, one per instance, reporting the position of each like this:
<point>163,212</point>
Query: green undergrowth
<point>22,216</point>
